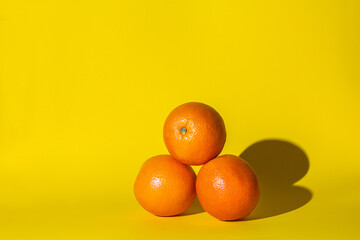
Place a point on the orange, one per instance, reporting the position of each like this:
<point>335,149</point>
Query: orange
<point>227,188</point>
<point>164,186</point>
<point>194,133</point>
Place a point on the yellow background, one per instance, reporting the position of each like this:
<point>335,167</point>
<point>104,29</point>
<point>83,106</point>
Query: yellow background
<point>85,87</point>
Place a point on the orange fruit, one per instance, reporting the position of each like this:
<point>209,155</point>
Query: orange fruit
<point>227,188</point>
<point>164,186</point>
<point>194,133</point>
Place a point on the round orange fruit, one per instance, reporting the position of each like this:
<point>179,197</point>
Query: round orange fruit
<point>227,188</point>
<point>164,186</point>
<point>194,133</point>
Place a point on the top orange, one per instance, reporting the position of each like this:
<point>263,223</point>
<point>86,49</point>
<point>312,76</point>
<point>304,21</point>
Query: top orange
<point>194,133</point>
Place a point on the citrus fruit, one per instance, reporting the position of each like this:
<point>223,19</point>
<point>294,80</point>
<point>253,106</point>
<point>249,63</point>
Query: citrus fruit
<point>227,188</point>
<point>164,186</point>
<point>194,133</point>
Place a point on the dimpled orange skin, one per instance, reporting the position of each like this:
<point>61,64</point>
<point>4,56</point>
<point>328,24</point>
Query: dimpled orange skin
<point>164,186</point>
<point>204,136</point>
<point>227,188</point>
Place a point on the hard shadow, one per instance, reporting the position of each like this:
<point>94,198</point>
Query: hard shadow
<point>195,208</point>
<point>278,164</point>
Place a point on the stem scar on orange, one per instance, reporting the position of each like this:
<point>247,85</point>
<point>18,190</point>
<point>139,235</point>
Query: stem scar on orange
<point>194,133</point>
<point>164,186</point>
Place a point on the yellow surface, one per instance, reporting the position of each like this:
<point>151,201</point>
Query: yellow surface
<point>85,87</point>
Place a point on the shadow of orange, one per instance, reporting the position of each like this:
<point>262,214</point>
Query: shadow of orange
<point>278,164</point>
<point>195,208</point>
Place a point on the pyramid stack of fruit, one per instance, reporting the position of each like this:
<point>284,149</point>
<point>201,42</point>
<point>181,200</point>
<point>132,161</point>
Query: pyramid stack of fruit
<point>226,186</point>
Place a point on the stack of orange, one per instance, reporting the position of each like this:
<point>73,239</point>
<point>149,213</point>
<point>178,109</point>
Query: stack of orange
<point>226,186</point>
